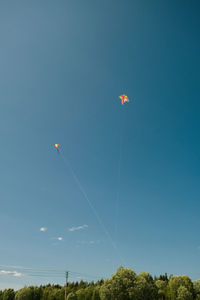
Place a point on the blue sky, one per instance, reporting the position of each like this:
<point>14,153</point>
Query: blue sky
<point>63,65</point>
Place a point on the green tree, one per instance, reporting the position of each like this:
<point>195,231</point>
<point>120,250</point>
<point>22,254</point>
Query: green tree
<point>82,284</point>
<point>72,296</point>
<point>196,285</point>
<point>106,290</point>
<point>89,292</point>
<point>162,287</point>
<point>8,294</point>
<point>144,287</point>
<point>95,295</point>
<point>80,294</point>
<point>184,294</point>
<point>46,294</point>
<point>175,282</point>
<point>52,293</point>
<point>28,293</point>
<point>100,282</point>
<point>162,277</point>
<point>120,286</point>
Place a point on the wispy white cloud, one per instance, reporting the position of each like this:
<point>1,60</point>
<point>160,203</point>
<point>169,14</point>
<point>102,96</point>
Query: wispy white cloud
<point>78,228</point>
<point>14,273</point>
<point>43,229</point>
<point>17,274</point>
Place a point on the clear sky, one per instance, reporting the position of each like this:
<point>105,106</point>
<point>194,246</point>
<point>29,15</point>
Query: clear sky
<point>63,66</point>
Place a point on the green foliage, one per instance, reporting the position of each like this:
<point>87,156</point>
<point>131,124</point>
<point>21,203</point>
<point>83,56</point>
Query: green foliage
<point>176,282</point>
<point>196,286</point>
<point>95,295</point>
<point>8,294</point>
<point>28,293</point>
<point>125,284</point>
<point>144,287</point>
<point>100,282</point>
<point>72,296</point>
<point>162,277</point>
<point>89,292</point>
<point>184,294</point>
<point>80,294</point>
<point>52,293</point>
<point>162,287</point>
<point>120,286</point>
<point>82,284</point>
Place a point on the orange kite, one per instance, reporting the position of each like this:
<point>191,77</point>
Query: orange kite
<point>124,99</point>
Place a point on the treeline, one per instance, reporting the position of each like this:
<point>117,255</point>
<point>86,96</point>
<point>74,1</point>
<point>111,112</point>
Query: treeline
<point>125,284</point>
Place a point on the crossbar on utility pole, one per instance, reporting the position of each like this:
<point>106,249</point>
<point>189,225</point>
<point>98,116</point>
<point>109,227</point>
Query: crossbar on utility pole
<point>66,276</point>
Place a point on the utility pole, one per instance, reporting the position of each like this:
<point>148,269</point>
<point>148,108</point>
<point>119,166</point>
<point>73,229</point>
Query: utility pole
<point>66,276</point>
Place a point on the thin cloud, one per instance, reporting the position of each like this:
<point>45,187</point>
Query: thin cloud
<point>78,228</point>
<point>17,274</point>
<point>14,273</point>
<point>59,238</point>
<point>43,229</point>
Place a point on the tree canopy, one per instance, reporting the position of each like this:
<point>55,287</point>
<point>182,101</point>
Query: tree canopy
<point>125,284</point>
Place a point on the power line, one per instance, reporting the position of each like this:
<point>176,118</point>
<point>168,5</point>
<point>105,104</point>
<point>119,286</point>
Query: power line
<point>48,273</point>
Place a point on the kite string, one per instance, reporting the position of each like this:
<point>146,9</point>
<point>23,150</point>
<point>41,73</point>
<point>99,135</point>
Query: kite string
<point>82,190</point>
<point>118,185</point>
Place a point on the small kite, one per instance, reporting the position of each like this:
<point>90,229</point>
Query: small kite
<point>124,99</point>
<point>57,147</point>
